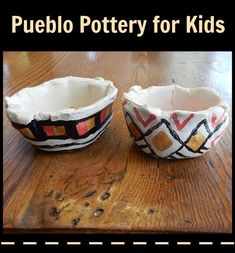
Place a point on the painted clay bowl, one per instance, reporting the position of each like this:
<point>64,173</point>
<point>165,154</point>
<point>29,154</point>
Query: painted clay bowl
<point>64,113</point>
<point>174,122</point>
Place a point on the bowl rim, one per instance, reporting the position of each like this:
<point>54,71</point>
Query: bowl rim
<point>17,115</point>
<point>137,89</point>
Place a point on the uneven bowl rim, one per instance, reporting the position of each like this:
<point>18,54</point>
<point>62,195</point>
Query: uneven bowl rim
<point>63,114</point>
<point>223,104</point>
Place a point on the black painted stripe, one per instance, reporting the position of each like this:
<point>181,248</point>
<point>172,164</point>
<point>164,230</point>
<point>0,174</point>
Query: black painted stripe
<point>179,154</point>
<point>171,157</point>
<point>204,148</point>
<point>73,143</point>
<point>142,146</point>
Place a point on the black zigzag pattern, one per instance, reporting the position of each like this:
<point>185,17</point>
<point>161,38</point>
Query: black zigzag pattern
<point>202,149</point>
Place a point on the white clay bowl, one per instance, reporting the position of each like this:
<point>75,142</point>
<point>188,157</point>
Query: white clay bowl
<point>64,113</point>
<point>174,122</point>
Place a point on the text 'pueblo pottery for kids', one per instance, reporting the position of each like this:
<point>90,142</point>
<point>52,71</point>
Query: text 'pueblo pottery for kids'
<point>64,113</point>
<point>174,122</point>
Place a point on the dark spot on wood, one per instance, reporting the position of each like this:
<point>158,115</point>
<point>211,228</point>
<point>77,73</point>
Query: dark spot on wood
<point>90,193</point>
<point>150,211</point>
<point>210,165</point>
<point>50,176</point>
<point>75,221</point>
<point>105,195</point>
<point>187,221</point>
<point>58,196</point>
<point>98,212</point>
<point>54,212</point>
<point>86,203</point>
<point>173,80</point>
<point>49,193</point>
<point>171,177</point>
<point>119,175</point>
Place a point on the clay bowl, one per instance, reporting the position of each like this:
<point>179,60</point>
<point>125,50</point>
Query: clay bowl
<point>174,122</point>
<point>64,113</point>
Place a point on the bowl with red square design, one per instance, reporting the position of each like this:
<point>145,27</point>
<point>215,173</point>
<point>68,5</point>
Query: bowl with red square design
<point>170,121</point>
<point>64,113</point>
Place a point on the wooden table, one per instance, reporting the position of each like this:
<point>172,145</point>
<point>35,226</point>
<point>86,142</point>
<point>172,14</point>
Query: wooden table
<point>112,186</point>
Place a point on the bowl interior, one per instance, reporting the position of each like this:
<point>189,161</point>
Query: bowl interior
<point>169,98</point>
<point>61,93</point>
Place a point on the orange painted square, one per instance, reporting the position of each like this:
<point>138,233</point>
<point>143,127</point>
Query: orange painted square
<point>162,141</point>
<point>196,141</point>
<point>59,130</point>
<point>90,123</point>
<point>26,132</point>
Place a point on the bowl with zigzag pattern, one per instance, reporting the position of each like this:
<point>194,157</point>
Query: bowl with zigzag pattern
<point>173,122</point>
<point>64,113</point>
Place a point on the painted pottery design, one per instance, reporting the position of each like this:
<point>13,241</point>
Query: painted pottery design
<point>77,111</point>
<point>174,122</point>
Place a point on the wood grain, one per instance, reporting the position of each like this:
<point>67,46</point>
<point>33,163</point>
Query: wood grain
<point>112,185</point>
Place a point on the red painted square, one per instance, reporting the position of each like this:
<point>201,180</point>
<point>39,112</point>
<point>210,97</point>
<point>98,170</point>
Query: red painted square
<point>49,130</point>
<point>82,128</point>
<point>104,113</point>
